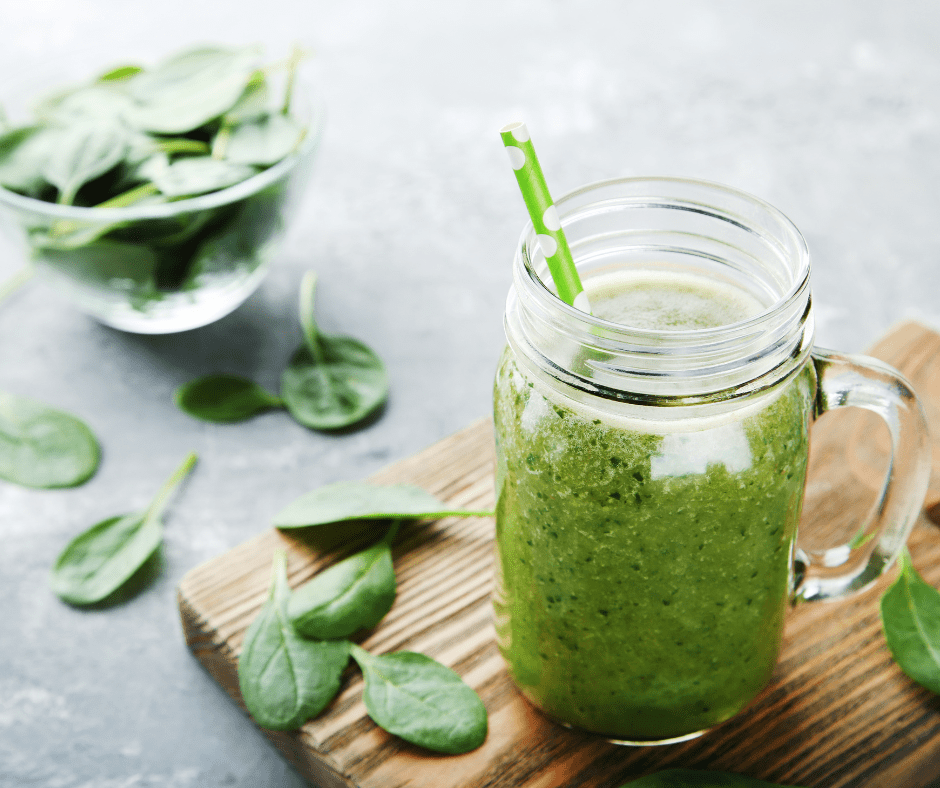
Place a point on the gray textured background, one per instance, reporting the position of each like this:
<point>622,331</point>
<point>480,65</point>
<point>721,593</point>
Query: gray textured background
<point>830,111</point>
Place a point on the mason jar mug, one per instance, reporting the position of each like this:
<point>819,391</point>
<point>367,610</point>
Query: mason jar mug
<point>651,460</point>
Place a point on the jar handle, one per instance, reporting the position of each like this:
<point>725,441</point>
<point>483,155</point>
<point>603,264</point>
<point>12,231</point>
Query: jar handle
<point>845,381</point>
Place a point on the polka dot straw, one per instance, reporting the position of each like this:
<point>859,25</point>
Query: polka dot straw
<point>544,217</point>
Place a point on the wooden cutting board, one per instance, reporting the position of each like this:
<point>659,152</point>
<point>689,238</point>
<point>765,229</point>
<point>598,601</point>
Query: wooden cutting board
<point>837,713</point>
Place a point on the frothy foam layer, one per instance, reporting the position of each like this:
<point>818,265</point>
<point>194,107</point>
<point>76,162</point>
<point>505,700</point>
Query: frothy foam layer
<point>668,300</point>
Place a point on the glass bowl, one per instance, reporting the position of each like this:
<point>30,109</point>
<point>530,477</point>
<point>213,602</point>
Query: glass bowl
<point>167,267</point>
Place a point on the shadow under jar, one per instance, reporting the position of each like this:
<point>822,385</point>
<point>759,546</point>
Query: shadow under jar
<point>650,476</point>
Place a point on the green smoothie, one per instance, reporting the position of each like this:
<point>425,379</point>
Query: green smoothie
<point>643,566</point>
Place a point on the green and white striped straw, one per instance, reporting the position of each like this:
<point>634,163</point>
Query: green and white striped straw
<point>544,216</point>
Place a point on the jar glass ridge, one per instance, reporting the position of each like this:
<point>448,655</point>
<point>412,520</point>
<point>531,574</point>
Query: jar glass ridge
<point>688,226</point>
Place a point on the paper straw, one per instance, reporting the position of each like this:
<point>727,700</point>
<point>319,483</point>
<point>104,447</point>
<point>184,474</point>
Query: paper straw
<point>544,217</point>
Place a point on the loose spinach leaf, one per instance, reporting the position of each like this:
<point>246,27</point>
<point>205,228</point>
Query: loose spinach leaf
<point>23,152</point>
<point>100,560</point>
<point>88,103</point>
<point>191,88</point>
<point>691,778</point>
<point>422,701</point>
<point>198,175</point>
<point>224,398</point>
<point>252,104</point>
<point>106,264</point>
<point>43,447</point>
<point>82,152</point>
<point>362,501</point>
<point>264,141</point>
<point>331,382</point>
<point>354,594</point>
<point>235,250</point>
<point>910,616</point>
<point>140,149</point>
<point>222,259</point>
<point>341,387</point>
<point>286,679</point>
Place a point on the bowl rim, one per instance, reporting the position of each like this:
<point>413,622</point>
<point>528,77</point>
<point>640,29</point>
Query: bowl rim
<point>226,196</point>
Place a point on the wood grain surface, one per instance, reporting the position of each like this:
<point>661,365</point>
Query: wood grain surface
<point>838,712</point>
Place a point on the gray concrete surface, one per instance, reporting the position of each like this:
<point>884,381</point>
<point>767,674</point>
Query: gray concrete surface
<point>831,111</point>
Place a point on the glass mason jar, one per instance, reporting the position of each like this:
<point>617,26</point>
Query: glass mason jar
<point>649,481</point>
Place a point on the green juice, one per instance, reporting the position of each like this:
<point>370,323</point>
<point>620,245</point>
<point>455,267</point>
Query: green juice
<point>643,566</point>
